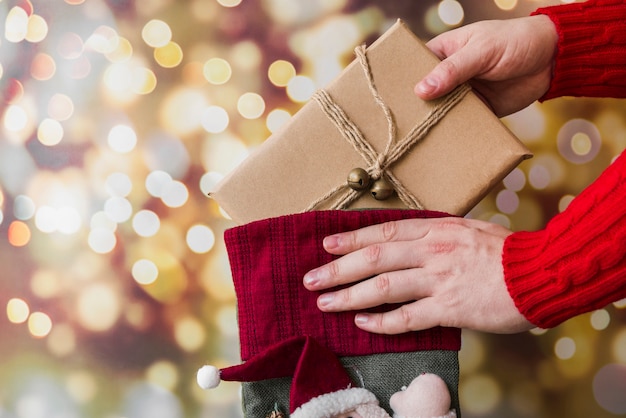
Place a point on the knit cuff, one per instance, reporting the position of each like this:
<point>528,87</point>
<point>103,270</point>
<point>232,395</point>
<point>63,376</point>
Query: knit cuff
<point>578,262</point>
<point>591,48</point>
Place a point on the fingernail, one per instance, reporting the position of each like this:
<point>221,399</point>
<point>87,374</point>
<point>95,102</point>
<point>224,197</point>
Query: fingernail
<point>326,299</point>
<point>427,86</point>
<point>313,277</point>
<point>331,242</point>
<point>361,319</point>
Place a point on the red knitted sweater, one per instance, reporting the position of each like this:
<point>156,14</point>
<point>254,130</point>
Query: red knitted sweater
<point>578,262</point>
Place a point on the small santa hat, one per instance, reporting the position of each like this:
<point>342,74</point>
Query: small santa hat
<point>320,387</point>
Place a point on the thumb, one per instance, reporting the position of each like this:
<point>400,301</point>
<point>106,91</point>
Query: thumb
<point>448,74</point>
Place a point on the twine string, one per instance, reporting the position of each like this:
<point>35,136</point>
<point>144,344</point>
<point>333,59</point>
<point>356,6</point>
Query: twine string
<point>378,164</point>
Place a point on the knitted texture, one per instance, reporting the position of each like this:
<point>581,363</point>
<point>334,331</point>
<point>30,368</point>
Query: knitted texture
<point>591,56</point>
<point>578,262</point>
<point>269,259</point>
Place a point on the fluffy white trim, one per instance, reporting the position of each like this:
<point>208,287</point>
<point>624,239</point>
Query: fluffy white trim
<point>335,403</point>
<point>208,377</point>
<point>451,414</point>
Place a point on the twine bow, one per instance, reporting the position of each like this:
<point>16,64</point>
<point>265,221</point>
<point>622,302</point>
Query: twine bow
<point>378,164</point>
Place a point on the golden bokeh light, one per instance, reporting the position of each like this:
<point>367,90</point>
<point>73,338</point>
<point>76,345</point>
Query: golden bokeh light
<point>39,324</point>
<point>189,333</point>
<point>251,105</point>
<point>217,71</point>
<point>50,132</point>
<point>280,72</point>
<point>98,307</point>
<point>169,55</point>
<point>37,29</point>
<point>17,311</point>
<point>156,33</point>
<point>18,234</point>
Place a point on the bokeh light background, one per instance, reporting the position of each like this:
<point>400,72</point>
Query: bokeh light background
<point>118,116</point>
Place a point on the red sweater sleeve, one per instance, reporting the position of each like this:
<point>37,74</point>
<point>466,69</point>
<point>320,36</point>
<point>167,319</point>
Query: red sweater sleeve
<point>591,54</point>
<point>578,262</point>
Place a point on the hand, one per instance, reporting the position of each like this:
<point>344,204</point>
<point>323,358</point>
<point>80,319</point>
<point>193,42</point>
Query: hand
<point>446,271</point>
<point>507,62</point>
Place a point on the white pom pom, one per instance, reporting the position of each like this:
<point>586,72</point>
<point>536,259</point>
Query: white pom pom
<point>208,377</point>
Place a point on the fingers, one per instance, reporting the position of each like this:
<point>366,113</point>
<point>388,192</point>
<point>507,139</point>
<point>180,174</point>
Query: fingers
<point>395,287</point>
<point>414,316</point>
<point>366,262</point>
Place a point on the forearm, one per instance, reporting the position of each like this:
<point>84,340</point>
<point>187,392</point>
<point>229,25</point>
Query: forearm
<point>578,262</point>
<point>591,52</point>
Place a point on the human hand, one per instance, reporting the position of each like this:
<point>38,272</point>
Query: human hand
<point>507,62</point>
<point>445,271</point>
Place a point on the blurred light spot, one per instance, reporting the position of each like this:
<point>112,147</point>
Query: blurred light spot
<point>50,132</point>
<point>143,81</point>
<point>80,68</point>
<point>223,153</point>
<point>69,220</point>
<point>118,184</point>
<point>156,182</point>
<point>122,52</point>
<point>182,110</point>
<point>432,21</point>
<point>175,194</point>
<point>539,177</point>
<point>17,311</point>
<point>39,324</point>
<point>515,180</point>
<point>501,219</point>
<point>229,3</point>
<point>82,386</point>
<point>600,319</point>
<point>507,201</point>
<point>23,207</point>
<point>163,373</point>
<point>215,119</point>
<point>620,304</point>
<point>226,321</point>
<point>200,239</point>
<point>122,139</point>
<point>101,240</point>
<point>246,56</point>
<point>156,33</point>
<point>13,90</point>
<point>280,72</point>
<point>103,40</point>
<point>101,220</point>
<point>189,333</point>
<point>46,219</point>
<point>15,118</point>
<point>45,284</point>
<point>118,209</point>
<point>217,71</point>
<point>146,223</point>
<point>300,88</point>
<point>118,78</point>
<point>98,307</point>
<point>277,118</point>
<point>168,56</point>
<point>451,12</point>
<point>250,105</point>
<point>60,107</point>
<point>479,395</point>
<point>565,201</point>
<point>609,387</point>
<point>18,234</point>
<point>208,181</point>
<point>618,346</point>
<point>16,25</point>
<point>172,279</point>
<point>473,354</point>
<point>506,4</point>
<point>579,141</point>
<point>145,272</point>
<point>37,29</point>
<point>70,46</point>
<point>565,348</point>
<point>42,67</point>
<point>61,340</point>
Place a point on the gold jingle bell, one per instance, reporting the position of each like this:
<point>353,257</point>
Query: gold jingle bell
<point>381,189</point>
<point>358,179</point>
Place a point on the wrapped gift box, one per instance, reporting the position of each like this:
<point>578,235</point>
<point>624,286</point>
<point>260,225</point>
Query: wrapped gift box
<point>450,169</point>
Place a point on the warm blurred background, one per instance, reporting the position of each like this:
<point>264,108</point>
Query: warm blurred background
<point>118,116</point>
